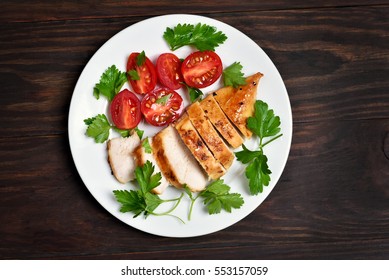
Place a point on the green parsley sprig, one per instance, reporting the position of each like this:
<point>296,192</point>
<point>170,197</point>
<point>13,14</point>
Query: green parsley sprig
<point>111,81</point>
<point>202,36</point>
<point>142,200</point>
<point>140,59</point>
<point>216,197</point>
<point>99,128</point>
<point>233,75</point>
<point>264,124</point>
<point>194,93</point>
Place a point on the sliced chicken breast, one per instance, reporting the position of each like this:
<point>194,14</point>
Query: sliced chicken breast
<point>200,151</point>
<point>142,156</point>
<point>120,157</point>
<point>238,103</point>
<point>176,162</point>
<point>210,136</point>
<point>215,114</point>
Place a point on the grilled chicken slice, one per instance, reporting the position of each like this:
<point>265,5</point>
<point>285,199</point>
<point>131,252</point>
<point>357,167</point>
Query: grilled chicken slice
<point>142,156</point>
<point>238,103</point>
<point>193,141</point>
<point>210,136</point>
<point>220,121</point>
<point>120,157</point>
<point>176,162</point>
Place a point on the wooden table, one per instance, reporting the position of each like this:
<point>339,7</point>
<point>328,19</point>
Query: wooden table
<point>332,201</point>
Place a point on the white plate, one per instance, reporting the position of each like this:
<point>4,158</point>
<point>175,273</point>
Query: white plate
<point>91,158</point>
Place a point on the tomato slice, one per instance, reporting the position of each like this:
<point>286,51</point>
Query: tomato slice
<point>143,77</point>
<point>162,106</point>
<point>169,71</point>
<point>201,69</point>
<point>125,110</point>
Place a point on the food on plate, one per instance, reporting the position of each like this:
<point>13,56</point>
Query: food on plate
<point>141,73</point>
<point>125,110</point>
<point>198,148</point>
<point>176,161</point>
<point>216,116</point>
<point>210,136</point>
<point>264,124</point>
<point>238,103</point>
<point>201,36</point>
<point>111,81</point>
<point>120,157</point>
<point>161,106</point>
<point>169,71</point>
<point>194,150</point>
<point>144,153</point>
<point>201,69</point>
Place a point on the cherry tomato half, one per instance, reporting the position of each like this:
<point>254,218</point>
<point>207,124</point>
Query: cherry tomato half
<point>201,69</point>
<point>125,110</point>
<point>161,106</point>
<point>169,71</point>
<point>146,75</point>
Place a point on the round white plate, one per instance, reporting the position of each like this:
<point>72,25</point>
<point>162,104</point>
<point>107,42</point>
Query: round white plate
<point>91,158</point>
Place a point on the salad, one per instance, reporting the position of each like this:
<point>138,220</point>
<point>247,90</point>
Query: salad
<point>154,98</point>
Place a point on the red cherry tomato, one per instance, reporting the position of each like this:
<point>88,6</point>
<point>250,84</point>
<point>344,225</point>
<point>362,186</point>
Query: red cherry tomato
<point>169,71</point>
<point>201,69</point>
<point>146,75</point>
<point>125,110</point>
<point>161,106</point>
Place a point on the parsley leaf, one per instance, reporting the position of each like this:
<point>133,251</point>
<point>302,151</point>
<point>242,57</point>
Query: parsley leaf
<point>202,36</point>
<point>194,93</point>
<point>133,75</point>
<point>123,132</point>
<point>111,81</point>
<point>141,58</point>
<point>146,146</point>
<point>217,197</point>
<point>245,156</point>
<point>264,124</point>
<point>258,173</point>
<point>142,200</point>
<point>145,177</point>
<point>139,132</point>
<point>98,128</point>
<point>152,202</point>
<point>233,76</point>
<point>131,201</point>
<point>162,100</point>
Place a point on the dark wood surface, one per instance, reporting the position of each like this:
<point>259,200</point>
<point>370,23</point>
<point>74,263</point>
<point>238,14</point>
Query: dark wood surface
<point>332,201</point>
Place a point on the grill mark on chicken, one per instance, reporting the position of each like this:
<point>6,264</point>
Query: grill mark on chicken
<point>209,135</point>
<point>219,120</point>
<point>200,151</point>
<point>238,104</point>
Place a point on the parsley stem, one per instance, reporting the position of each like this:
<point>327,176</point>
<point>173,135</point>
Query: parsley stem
<point>271,140</point>
<point>192,202</point>
<point>167,213</point>
<point>173,199</point>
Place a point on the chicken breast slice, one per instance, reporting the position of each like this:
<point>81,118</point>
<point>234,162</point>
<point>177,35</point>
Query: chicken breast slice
<point>210,136</point>
<point>120,157</point>
<point>142,156</point>
<point>238,103</point>
<point>200,151</point>
<point>176,162</point>
<point>216,116</point>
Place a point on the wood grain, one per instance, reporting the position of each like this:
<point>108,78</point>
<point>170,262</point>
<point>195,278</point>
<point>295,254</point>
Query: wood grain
<point>332,199</point>
<point>47,10</point>
<point>322,75</point>
<point>326,198</point>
